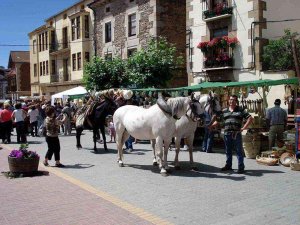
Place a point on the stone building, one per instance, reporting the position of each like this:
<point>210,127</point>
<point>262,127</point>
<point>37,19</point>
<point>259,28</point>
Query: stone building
<point>253,23</point>
<point>124,26</point>
<point>3,83</point>
<point>250,21</point>
<point>18,77</point>
<point>59,49</point>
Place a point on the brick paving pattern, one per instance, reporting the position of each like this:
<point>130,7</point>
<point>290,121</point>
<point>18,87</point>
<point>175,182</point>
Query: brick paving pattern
<point>264,195</point>
<point>53,200</point>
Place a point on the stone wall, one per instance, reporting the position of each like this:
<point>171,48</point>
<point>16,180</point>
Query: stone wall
<point>165,18</point>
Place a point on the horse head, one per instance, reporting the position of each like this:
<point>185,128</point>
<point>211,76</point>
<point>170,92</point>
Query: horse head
<point>179,106</point>
<point>211,103</point>
<point>195,110</point>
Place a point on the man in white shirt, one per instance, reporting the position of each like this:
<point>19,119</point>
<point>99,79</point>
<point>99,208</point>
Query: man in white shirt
<point>33,114</point>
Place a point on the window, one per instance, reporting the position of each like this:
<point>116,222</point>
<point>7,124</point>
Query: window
<point>132,25</point>
<point>34,70</point>
<point>43,41</point>
<point>220,32</point>
<point>47,67</point>
<point>41,69</point>
<point>73,29</point>
<point>53,67</point>
<point>86,26</point>
<point>108,56</point>
<point>79,60</point>
<point>40,43</point>
<point>87,56</point>
<point>65,16</point>
<point>130,52</point>
<point>131,0</point>
<point>107,9</point>
<point>108,32</point>
<point>73,62</point>
<point>44,68</point>
<point>46,40</point>
<point>78,26</point>
<point>34,46</point>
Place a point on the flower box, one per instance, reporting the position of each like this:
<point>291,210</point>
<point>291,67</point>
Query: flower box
<point>23,160</point>
<point>20,165</point>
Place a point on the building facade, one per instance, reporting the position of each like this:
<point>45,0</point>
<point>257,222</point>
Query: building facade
<point>124,26</point>
<point>247,21</point>
<point>18,77</point>
<point>60,48</point>
<point>3,83</point>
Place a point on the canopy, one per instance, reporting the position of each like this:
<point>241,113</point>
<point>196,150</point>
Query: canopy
<point>211,85</point>
<point>76,92</point>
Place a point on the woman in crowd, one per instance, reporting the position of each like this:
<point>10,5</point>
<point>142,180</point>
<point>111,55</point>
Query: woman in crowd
<point>6,123</point>
<point>18,116</point>
<point>52,127</point>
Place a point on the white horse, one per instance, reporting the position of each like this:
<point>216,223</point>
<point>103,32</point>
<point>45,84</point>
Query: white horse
<point>148,124</point>
<point>187,125</point>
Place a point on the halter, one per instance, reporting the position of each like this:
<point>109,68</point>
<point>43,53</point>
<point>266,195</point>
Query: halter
<point>193,116</point>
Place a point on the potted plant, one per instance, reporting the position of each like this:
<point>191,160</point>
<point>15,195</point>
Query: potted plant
<point>23,160</point>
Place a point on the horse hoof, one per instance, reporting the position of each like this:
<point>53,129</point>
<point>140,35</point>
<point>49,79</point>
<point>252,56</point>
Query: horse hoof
<point>164,174</point>
<point>121,165</point>
<point>177,168</point>
<point>155,164</point>
<point>78,147</point>
<point>194,168</point>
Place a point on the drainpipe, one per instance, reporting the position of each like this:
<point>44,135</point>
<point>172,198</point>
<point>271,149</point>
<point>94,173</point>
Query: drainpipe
<point>188,45</point>
<point>94,30</point>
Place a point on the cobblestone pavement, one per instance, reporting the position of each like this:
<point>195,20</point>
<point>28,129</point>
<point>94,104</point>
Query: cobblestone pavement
<point>264,195</point>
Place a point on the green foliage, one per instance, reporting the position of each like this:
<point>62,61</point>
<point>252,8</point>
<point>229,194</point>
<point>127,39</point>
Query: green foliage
<point>151,66</point>
<point>103,74</point>
<point>278,54</point>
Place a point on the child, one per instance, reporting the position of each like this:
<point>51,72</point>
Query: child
<point>112,130</point>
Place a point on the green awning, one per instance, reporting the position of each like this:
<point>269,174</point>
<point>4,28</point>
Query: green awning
<point>212,85</point>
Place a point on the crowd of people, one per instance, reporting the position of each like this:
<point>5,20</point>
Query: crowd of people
<point>27,118</point>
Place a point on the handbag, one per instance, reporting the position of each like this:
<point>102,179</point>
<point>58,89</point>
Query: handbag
<point>42,130</point>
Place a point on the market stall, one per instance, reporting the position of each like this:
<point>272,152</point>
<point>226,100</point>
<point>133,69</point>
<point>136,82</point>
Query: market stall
<point>73,93</point>
<point>253,97</point>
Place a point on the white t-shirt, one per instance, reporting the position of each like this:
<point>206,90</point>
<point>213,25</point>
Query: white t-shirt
<point>33,114</point>
<point>19,115</point>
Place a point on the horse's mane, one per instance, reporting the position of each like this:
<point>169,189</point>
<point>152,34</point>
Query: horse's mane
<point>176,104</point>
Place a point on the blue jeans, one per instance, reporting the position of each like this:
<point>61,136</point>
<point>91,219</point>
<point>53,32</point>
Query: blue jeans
<point>129,142</point>
<point>208,140</point>
<point>232,142</point>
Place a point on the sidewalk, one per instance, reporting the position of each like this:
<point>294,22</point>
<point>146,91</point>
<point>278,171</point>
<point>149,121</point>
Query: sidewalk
<point>57,199</point>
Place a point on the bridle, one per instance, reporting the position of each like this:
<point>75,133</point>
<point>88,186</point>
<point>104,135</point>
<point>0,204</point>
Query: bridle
<point>194,116</point>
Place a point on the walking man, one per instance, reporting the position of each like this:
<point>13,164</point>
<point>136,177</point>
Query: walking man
<point>277,120</point>
<point>233,118</point>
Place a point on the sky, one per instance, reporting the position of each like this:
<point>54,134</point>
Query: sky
<point>20,17</point>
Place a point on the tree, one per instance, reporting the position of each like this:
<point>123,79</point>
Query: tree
<point>153,65</point>
<point>101,74</point>
<point>278,54</point>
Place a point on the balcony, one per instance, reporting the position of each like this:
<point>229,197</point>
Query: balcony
<point>220,61</point>
<point>54,78</point>
<point>218,53</point>
<point>59,48</point>
<point>212,12</point>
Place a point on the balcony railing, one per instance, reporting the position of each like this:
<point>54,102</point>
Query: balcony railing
<point>54,78</point>
<point>216,11</point>
<point>60,46</point>
<point>218,61</point>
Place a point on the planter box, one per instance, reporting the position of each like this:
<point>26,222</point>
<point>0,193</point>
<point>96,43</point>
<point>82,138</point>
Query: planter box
<point>23,165</point>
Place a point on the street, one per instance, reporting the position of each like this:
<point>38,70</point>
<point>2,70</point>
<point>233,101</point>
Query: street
<point>263,195</point>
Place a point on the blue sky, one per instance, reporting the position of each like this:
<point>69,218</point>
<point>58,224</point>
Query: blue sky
<point>20,17</point>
